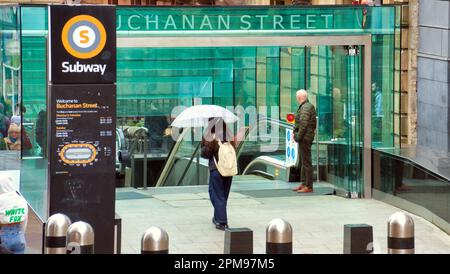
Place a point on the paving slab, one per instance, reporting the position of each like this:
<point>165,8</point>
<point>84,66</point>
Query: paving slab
<point>233,195</point>
<point>317,222</point>
<point>177,196</point>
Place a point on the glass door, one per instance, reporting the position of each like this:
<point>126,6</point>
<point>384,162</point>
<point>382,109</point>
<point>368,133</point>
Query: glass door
<point>261,82</point>
<point>334,81</point>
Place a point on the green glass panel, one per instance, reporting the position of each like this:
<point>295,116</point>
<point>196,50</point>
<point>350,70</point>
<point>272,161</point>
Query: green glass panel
<point>34,93</point>
<point>10,60</point>
<point>152,81</point>
<point>383,90</point>
<point>334,82</point>
<point>34,77</point>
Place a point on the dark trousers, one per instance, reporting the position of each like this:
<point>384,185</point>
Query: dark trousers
<point>219,189</point>
<point>305,162</point>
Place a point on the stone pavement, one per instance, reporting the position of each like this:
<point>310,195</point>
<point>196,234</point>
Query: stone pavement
<point>317,221</point>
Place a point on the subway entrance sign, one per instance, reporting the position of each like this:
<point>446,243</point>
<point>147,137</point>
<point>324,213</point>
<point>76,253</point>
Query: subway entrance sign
<point>82,117</point>
<point>83,44</point>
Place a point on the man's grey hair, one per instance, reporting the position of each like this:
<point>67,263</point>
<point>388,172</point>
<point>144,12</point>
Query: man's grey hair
<point>301,93</point>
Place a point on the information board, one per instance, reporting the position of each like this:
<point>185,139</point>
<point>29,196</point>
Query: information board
<point>82,138</point>
<point>82,117</point>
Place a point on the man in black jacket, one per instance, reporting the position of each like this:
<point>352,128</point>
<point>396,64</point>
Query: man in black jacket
<point>304,132</point>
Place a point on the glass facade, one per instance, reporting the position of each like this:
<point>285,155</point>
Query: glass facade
<point>263,77</point>
<point>34,82</point>
<point>33,173</point>
<point>10,95</point>
<point>267,79</point>
<point>153,80</point>
<point>135,75</point>
<point>10,66</point>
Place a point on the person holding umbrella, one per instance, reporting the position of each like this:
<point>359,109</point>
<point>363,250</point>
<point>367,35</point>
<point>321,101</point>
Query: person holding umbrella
<point>219,185</point>
<point>218,146</point>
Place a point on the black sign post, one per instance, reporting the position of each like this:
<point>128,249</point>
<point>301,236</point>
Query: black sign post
<point>82,111</point>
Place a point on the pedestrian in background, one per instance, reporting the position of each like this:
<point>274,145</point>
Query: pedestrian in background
<point>13,217</point>
<point>4,122</point>
<point>16,118</point>
<point>304,132</point>
<point>12,141</point>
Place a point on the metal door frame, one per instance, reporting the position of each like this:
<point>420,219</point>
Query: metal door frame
<point>283,41</point>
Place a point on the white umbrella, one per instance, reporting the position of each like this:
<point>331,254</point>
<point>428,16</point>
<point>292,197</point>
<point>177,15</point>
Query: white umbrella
<point>198,116</point>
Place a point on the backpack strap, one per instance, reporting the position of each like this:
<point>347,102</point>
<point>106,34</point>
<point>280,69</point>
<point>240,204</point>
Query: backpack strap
<point>220,144</point>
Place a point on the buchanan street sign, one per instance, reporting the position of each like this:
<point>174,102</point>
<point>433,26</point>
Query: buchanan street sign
<point>224,22</point>
<point>255,19</point>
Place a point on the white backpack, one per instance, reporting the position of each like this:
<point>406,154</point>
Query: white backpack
<point>227,164</point>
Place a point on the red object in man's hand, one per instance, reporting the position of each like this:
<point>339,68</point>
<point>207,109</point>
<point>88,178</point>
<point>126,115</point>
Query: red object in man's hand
<point>290,118</point>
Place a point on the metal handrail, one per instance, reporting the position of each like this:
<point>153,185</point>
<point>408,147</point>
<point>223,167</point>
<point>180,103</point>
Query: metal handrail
<point>195,153</point>
<point>170,160</point>
<point>11,67</point>
<point>189,164</point>
<point>264,160</point>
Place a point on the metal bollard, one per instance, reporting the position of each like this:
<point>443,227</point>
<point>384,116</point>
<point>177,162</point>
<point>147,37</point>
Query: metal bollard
<point>279,237</point>
<point>80,238</point>
<point>238,241</point>
<point>358,239</point>
<point>400,234</point>
<point>155,240</point>
<point>55,234</point>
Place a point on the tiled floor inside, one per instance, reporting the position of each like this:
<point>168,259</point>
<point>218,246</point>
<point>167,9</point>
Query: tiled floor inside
<point>317,220</point>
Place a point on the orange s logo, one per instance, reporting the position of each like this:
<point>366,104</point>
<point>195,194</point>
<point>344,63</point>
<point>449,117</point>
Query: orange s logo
<point>83,36</point>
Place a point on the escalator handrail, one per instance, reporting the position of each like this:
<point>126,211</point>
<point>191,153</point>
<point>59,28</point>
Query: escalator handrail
<point>196,151</point>
<point>170,159</point>
<point>255,127</point>
<point>189,164</point>
<point>278,121</point>
<point>265,160</point>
